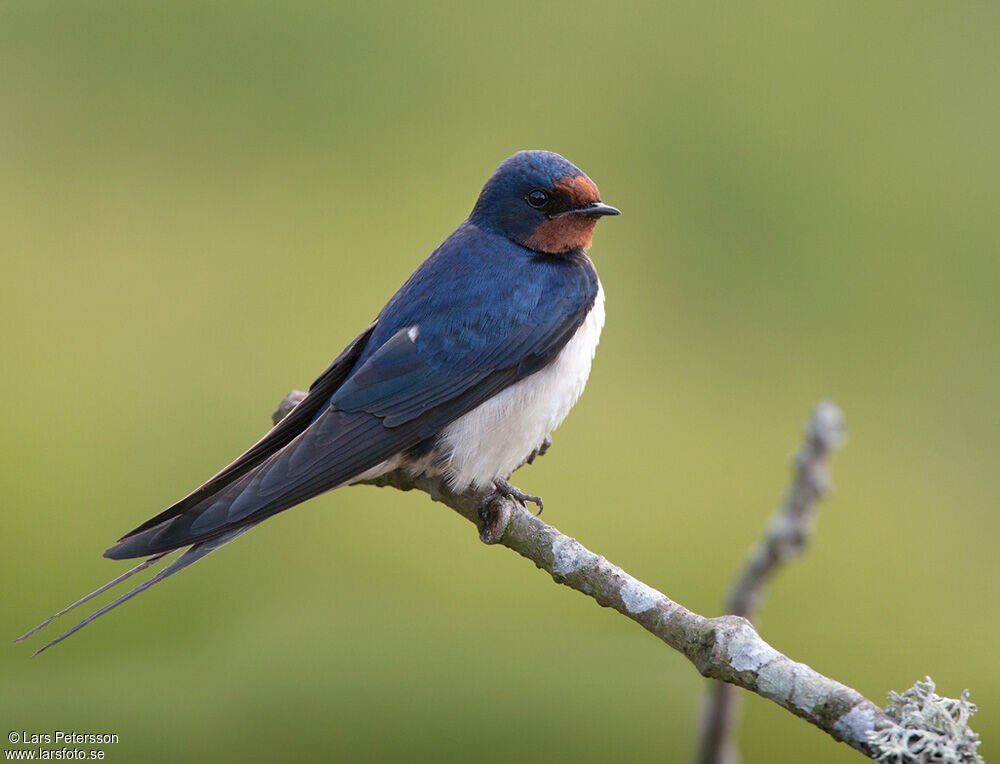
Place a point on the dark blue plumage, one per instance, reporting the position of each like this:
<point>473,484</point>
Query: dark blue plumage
<point>494,304</point>
<point>482,303</point>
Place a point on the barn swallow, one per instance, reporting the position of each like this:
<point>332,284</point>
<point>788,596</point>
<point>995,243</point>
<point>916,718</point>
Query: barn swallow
<point>464,374</point>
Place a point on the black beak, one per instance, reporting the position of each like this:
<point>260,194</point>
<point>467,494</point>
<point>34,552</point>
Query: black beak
<point>593,210</point>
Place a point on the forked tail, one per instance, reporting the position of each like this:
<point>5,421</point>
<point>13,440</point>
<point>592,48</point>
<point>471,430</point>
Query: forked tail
<point>190,556</point>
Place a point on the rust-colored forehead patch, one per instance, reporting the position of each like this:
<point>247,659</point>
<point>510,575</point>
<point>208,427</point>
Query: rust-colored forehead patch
<point>581,189</point>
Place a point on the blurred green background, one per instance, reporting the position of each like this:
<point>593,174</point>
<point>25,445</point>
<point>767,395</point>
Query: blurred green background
<point>203,202</point>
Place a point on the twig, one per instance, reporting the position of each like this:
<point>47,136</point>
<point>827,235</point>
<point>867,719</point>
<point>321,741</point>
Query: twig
<point>726,648</point>
<point>785,538</point>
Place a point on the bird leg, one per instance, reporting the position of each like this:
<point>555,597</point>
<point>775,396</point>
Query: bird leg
<point>494,512</point>
<point>503,488</point>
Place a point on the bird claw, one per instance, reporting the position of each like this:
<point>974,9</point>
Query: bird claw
<point>505,489</point>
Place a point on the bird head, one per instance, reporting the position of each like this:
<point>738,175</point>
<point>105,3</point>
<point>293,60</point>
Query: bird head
<point>542,202</point>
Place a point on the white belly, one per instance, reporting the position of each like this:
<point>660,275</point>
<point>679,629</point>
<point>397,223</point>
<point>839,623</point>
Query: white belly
<point>496,437</point>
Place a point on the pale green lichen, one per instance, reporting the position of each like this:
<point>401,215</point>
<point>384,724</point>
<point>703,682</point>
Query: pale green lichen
<point>929,729</point>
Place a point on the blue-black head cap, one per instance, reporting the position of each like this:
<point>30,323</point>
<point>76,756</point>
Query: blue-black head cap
<point>541,201</point>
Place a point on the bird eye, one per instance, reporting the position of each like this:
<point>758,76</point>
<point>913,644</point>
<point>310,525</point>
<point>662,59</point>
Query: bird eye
<point>538,198</point>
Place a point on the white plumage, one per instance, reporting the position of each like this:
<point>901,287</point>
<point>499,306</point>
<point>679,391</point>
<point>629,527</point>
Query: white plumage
<point>496,437</point>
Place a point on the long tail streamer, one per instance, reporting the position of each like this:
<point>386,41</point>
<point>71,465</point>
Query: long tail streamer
<point>191,556</point>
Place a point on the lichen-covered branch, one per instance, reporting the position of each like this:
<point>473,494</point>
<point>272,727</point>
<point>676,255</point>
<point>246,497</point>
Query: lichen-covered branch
<point>785,538</point>
<point>726,648</point>
<point>928,728</point>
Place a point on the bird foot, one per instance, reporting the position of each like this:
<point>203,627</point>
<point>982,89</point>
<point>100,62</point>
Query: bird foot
<point>503,488</point>
<point>540,451</point>
<point>494,514</point>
